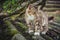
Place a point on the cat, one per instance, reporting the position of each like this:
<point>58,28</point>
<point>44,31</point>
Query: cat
<point>30,17</point>
<point>36,20</point>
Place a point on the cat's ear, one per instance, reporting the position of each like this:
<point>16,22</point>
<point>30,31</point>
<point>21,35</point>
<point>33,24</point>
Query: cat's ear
<point>29,6</point>
<point>39,7</point>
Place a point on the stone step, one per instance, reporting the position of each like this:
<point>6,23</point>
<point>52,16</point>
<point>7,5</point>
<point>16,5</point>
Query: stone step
<point>50,9</point>
<point>53,2</point>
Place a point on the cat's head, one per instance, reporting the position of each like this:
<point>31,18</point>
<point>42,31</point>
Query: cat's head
<point>31,9</point>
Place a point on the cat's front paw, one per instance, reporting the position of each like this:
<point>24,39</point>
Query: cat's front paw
<point>37,33</point>
<point>30,31</point>
<point>43,33</point>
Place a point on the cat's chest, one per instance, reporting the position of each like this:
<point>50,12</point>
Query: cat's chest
<point>31,17</point>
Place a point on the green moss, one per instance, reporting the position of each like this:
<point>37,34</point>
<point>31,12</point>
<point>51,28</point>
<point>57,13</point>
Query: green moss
<point>22,25</point>
<point>13,31</point>
<point>11,28</point>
